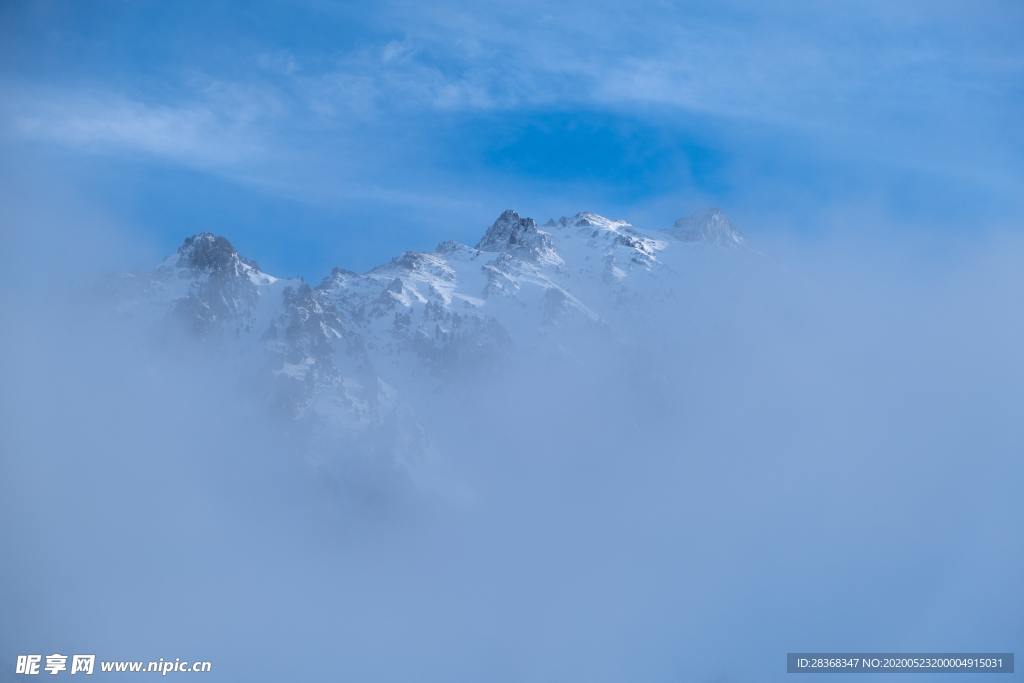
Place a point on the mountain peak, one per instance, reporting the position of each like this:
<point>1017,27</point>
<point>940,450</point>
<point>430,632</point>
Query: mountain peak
<point>210,253</point>
<point>512,233</point>
<point>507,230</point>
<point>710,227</point>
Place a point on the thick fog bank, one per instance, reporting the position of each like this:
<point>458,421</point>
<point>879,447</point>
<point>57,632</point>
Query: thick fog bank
<point>814,449</point>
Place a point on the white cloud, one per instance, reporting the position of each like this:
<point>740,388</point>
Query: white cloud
<point>860,81</point>
<point>193,133</point>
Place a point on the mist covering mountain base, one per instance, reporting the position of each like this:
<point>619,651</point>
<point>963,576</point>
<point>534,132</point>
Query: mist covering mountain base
<point>572,451</point>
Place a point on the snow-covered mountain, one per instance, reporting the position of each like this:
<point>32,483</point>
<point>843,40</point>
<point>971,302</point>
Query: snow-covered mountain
<point>348,355</point>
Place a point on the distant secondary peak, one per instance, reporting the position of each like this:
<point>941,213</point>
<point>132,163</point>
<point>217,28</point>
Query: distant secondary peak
<point>589,219</point>
<point>341,272</point>
<point>710,227</point>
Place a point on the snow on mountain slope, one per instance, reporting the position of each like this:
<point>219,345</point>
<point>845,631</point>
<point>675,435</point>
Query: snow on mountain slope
<point>344,356</point>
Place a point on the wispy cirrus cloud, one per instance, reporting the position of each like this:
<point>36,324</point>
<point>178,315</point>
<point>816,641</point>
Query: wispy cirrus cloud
<point>405,106</point>
<point>874,71</point>
<point>214,128</point>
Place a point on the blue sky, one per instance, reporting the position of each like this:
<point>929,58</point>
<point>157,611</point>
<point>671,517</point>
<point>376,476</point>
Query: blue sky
<point>316,134</point>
